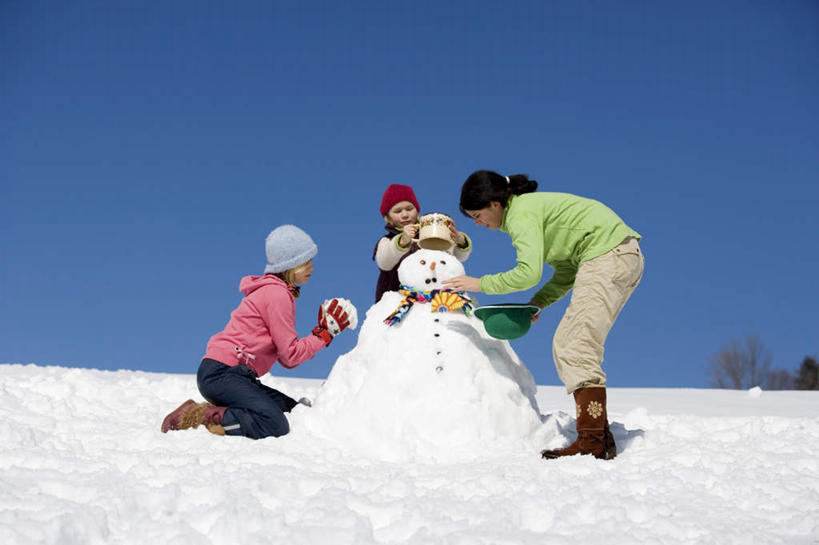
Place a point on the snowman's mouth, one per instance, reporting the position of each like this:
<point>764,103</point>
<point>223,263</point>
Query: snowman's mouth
<point>430,280</point>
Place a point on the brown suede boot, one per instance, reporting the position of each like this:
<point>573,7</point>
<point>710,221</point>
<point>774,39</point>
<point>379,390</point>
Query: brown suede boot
<point>593,434</point>
<point>191,414</point>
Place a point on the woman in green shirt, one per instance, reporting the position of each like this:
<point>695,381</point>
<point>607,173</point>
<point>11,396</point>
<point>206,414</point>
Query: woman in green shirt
<point>592,251</point>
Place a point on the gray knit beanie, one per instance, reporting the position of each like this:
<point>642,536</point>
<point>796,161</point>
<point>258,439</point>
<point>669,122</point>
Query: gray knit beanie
<point>287,246</point>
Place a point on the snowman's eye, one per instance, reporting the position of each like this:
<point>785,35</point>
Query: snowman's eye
<point>423,262</point>
<point>443,262</point>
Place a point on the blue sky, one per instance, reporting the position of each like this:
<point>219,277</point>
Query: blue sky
<point>149,147</point>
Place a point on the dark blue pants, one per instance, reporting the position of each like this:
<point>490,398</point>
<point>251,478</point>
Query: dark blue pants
<point>253,409</point>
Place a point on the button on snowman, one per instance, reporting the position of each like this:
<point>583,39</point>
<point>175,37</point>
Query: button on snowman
<point>425,379</point>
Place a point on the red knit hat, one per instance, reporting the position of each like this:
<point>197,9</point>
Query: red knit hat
<point>395,194</point>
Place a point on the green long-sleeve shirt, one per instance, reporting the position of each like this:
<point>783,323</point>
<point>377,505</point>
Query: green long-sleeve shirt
<point>560,229</point>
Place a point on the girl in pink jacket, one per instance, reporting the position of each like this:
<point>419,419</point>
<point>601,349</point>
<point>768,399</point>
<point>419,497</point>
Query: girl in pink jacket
<point>260,332</point>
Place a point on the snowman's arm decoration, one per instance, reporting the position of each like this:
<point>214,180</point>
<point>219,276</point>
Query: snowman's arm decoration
<point>334,316</point>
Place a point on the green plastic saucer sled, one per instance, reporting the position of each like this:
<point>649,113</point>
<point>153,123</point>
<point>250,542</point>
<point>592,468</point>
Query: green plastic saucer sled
<point>506,321</point>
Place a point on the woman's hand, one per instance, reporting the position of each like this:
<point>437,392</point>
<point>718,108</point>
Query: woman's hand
<point>463,283</point>
<point>536,315</point>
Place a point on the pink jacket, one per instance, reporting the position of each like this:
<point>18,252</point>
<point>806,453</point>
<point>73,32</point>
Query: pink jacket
<point>262,329</point>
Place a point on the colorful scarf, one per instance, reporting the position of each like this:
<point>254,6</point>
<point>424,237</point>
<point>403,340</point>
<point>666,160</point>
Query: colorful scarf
<point>439,300</point>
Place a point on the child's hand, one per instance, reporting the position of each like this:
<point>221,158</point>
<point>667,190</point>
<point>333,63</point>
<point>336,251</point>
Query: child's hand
<point>409,233</point>
<point>456,235</point>
<point>334,316</point>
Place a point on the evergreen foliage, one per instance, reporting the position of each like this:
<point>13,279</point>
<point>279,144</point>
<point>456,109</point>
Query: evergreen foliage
<point>807,378</point>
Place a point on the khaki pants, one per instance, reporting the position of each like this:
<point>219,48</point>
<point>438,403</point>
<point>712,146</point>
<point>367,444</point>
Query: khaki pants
<point>601,288</point>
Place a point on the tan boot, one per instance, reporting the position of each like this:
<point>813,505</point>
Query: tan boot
<point>191,414</point>
<point>212,419</point>
<point>593,434</point>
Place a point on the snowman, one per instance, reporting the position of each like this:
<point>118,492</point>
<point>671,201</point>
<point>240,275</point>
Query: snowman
<point>425,379</point>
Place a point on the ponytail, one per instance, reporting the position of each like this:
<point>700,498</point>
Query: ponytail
<point>485,186</point>
<point>289,277</point>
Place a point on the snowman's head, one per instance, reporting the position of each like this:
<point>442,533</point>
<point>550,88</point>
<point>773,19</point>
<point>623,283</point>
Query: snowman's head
<point>426,269</point>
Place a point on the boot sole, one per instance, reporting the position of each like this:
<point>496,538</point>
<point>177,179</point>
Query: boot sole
<point>553,455</point>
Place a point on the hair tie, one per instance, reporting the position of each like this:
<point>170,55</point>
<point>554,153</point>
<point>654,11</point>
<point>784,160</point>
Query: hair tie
<point>507,179</point>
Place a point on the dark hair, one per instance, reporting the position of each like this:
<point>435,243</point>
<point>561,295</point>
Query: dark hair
<point>485,186</point>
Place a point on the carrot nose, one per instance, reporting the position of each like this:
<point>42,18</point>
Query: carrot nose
<point>432,266</point>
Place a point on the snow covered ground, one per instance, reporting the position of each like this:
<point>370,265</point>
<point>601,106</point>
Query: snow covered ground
<point>82,461</point>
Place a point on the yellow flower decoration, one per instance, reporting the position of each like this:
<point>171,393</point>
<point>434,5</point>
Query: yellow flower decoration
<point>445,301</point>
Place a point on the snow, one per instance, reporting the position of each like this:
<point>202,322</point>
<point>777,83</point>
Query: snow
<point>83,461</point>
<point>427,432</point>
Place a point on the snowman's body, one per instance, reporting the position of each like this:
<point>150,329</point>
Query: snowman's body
<point>429,383</point>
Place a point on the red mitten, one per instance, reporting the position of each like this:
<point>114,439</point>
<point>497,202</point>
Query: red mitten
<point>322,334</point>
<point>334,316</point>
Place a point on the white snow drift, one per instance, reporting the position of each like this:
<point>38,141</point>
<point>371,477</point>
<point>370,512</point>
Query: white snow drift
<point>82,461</point>
<point>427,432</point>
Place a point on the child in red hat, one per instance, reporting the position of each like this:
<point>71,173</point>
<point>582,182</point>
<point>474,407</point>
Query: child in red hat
<point>400,209</point>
